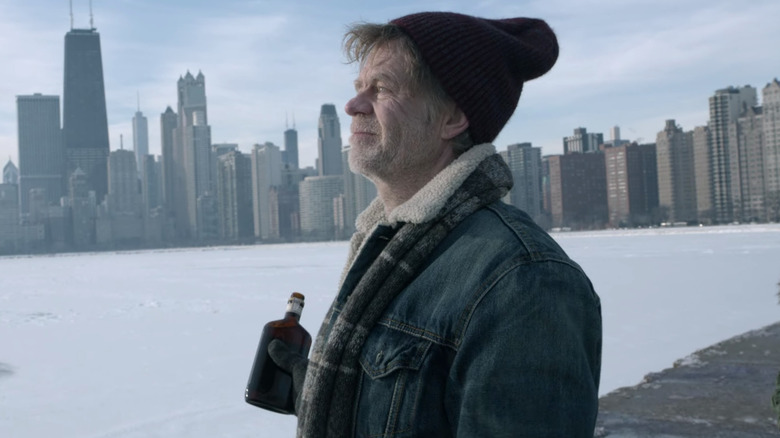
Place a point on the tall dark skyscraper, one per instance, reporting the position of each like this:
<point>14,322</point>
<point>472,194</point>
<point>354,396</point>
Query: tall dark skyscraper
<point>290,153</point>
<point>85,123</point>
<point>41,163</point>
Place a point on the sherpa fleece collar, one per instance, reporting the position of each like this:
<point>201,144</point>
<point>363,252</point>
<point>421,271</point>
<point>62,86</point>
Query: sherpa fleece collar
<point>424,205</point>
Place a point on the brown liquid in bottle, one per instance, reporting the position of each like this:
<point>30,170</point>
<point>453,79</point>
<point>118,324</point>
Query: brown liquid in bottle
<point>269,387</point>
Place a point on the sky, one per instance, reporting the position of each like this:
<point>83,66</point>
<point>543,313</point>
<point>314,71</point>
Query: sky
<point>271,64</point>
<point>159,343</point>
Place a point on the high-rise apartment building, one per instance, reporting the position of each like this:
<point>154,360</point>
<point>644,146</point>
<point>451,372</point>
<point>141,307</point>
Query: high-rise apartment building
<point>317,214</point>
<point>140,141</point>
<point>771,108</point>
<point>726,106</point>
<point>676,174</point>
<point>582,141</point>
<point>747,165</point>
<point>234,196</point>
<point>525,162</point>
<point>266,175</point>
<point>329,141</point>
<point>578,190</point>
<point>41,159</point>
<point>632,184</point>
<point>85,123</point>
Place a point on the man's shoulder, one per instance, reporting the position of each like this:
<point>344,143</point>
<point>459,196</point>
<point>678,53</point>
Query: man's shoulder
<point>511,229</point>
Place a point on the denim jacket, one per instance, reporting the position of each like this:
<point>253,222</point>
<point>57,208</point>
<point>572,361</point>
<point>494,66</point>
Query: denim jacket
<point>498,336</point>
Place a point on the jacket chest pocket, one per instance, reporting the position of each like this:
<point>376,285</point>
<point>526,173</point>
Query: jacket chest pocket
<point>391,386</point>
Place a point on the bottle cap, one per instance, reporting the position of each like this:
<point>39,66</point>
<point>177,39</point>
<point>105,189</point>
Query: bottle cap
<point>295,303</point>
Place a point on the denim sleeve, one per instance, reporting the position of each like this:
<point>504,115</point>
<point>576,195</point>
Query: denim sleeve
<point>530,357</point>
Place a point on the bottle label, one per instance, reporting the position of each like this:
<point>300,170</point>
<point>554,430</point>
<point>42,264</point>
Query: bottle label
<point>295,305</point>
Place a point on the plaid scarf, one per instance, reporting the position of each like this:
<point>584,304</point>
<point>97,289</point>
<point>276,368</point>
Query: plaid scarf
<point>329,394</point>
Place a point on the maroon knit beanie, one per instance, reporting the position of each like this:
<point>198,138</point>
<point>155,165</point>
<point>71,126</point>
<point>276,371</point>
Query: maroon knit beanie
<point>482,63</point>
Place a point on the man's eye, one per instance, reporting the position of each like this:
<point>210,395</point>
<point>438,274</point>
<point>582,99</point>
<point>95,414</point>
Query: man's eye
<point>380,89</point>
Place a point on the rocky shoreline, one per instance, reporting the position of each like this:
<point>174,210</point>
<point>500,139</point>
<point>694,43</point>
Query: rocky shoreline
<point>720,391</point>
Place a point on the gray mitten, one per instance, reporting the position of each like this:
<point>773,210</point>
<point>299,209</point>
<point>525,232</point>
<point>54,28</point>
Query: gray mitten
<point>291,362</point>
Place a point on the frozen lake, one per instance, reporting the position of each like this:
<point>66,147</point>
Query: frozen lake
<point>159,343</point>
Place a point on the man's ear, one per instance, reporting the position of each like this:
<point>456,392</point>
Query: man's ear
<point>454,123</point>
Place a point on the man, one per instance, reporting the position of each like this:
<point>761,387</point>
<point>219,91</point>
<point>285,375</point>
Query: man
<point>457,315</point>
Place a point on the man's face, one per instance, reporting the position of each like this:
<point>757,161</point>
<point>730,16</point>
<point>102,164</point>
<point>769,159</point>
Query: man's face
<point>393,135</point>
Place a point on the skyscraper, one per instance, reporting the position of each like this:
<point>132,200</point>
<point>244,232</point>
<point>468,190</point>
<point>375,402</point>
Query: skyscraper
<point>140,141</point>
<point>317,213</point>
<point>676,174</point>
<point>168,121</point>
<point>578,190</point>
<point>632,184</point>
<point>726,106</point>
<point>747,165</point>
<point>41,161</point>
<point>193,167</point>
<point>85,123</point>
<point>525,162</point>
<point>771,105</point>
<point>234,196</point>
<point>329,141</point>
<point>266,174</point>
<point>290,153</point>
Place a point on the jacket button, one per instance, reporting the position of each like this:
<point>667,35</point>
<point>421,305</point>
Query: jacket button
<point>379,356</point>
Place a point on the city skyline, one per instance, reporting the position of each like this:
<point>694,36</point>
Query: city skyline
<point>634,65</point>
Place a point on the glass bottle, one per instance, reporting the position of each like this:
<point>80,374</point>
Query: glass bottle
<point>270,387</point>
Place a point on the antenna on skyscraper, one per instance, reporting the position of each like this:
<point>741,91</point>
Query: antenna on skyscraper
<point>71,14</point>
<point>91,21</point>
<point>121,142</point>
<point>138,94</point>
<point>293,120</point>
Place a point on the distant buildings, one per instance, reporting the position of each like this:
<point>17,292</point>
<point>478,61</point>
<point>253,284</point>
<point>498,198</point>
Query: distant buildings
<point>70,193</point>
<point>582,141</point>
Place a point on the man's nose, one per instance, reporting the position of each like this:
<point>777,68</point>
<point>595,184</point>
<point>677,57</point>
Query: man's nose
<point>358,105</point>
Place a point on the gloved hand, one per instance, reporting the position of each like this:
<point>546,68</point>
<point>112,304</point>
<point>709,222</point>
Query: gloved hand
<point>291,362</point>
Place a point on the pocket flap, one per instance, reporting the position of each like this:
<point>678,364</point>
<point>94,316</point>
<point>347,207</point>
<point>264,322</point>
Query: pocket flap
<point>387,350</point>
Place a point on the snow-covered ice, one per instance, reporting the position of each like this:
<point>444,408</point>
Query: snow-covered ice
<point>159,343</point>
